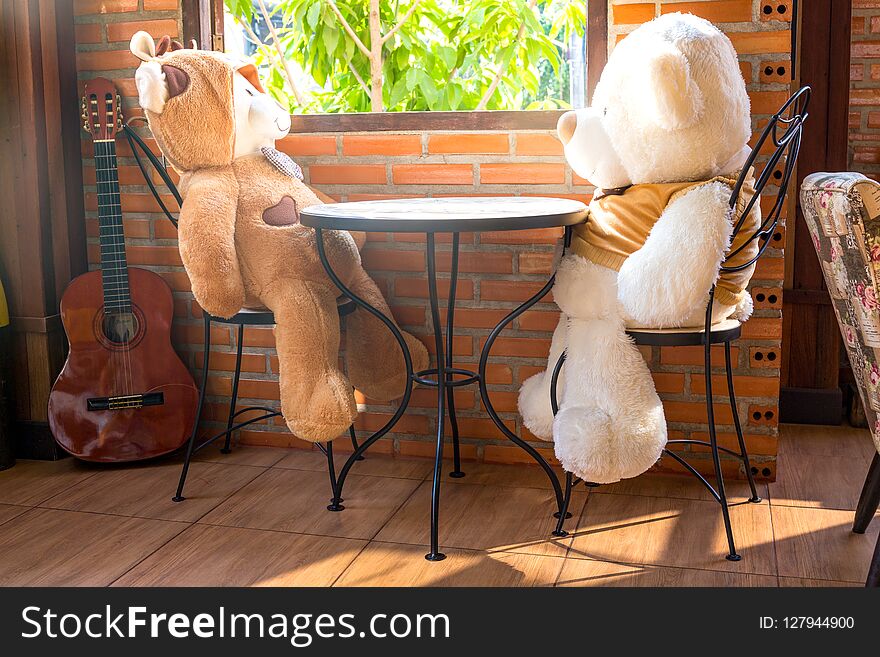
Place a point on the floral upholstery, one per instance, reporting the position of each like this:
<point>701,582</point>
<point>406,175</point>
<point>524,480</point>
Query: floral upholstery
<point>842,212</point>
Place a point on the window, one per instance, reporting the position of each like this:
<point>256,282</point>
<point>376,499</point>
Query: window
<point>338,57</point>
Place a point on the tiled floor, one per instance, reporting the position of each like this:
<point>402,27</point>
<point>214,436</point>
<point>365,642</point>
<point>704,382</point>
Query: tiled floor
<point>258,517</point>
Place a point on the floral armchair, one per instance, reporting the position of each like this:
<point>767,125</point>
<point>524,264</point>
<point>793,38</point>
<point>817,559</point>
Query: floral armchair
<point>842,212</point>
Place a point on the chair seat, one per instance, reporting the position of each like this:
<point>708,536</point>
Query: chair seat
<point>724,331</point>
<point>264,317</point>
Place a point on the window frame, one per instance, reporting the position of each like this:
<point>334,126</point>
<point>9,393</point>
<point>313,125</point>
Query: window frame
<point>203,21</point>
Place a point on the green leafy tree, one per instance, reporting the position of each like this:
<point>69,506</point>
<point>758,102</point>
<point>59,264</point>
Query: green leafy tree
<point>405,55</point>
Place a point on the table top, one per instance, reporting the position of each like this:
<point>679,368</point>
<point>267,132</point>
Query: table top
<point>446,215</point>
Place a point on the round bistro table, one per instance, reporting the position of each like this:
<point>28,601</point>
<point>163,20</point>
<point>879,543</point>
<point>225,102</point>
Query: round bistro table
<point>432,216</point>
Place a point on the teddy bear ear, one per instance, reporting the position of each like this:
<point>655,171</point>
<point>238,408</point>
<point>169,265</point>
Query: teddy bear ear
<point>677,100</point>
<point>142,46</point>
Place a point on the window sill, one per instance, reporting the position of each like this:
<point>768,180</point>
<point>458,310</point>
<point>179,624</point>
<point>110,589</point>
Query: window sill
<point>433,121</point>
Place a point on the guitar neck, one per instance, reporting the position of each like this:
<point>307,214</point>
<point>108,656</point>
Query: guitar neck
<point>114,266</point>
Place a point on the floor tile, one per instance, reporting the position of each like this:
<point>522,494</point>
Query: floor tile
<point>44,547</point>
<point>800,582</point>
<point>484,518</point>
<point>496,474</point>
<point>261,457</point>
<point>228,556</point>
<point>587,572</point>
<point>296,501</point>
<point>145,491</point>
<point>374,465</point>
<point>682,486</point>
<point>32,482</point>
<point>826,441</point>
<point>387,564</point>
<point>8,512</point>
<point>819,544</point>
<point>822,481</point>
<point>674,532</point>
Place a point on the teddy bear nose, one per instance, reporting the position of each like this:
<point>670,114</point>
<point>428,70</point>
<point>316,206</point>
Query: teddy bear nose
<point>566,126</point>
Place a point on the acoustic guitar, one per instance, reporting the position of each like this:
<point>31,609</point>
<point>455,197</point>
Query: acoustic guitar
<point>123,394</point>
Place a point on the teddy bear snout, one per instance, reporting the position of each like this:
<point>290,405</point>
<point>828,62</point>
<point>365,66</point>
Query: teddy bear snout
<point>566,126</point>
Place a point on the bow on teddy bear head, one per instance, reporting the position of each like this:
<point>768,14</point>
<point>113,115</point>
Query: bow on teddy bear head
<point>671,105</point>
<point>204,108</point>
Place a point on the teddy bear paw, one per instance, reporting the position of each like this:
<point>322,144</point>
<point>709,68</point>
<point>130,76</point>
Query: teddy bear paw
<point>600,448</point>
<point>535,408</point>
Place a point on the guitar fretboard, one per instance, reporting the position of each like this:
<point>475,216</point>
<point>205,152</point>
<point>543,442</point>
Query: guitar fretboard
<point>114,267</point>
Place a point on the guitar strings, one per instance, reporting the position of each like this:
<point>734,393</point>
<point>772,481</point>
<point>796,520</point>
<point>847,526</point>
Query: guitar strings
<point>117,277</point>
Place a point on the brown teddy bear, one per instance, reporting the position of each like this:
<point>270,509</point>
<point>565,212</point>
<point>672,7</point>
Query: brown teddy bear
<point>241,241</point>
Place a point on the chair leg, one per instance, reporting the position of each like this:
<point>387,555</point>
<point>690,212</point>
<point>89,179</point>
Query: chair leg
<point>354,442</point>
<point>736,423</point>
<point>563,513</point>
<point>873,580</point>
<point>869,500</point>
<point>234,398</point>
<point>178,497</point>
<point>716,459</point>
<point>335,501</point>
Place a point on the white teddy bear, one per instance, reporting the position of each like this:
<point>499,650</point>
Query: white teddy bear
<point>664,142</point>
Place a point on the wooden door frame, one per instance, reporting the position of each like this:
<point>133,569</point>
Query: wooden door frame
<point>811,340</point>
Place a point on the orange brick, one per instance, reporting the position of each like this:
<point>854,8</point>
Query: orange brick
<point>88,33</point>
<point>381,144</point>
<point>777,10</point>
<point>744,386</point>
<point>409,315</point>
<point>193,334</point>
<point>745,68</point>
<point>669,382</point>
<point>105,60</point>
<point>81,7</point>
<point>475,317</point>
<point>493,262</point>
<point>764,357</point>
<point>538,320</point>
<point>861,97</point>
<point>385,260</point>
<point>347,174</point>
<point>157,5</point>
<point>756,443</point>
<point>408,423</point>
<point>511,290</point>
<point>418,287</point>
<point>258,389</point>
<point>763,415</point>
<point>694,355</point>
<point>760,43</point>
<point>630,14</point>
<point>124,31</point>
<point>308,145</point>
<point>499,374</point>
<point>473,427</point>
<point>522,174</point>
<point>481,142</point>
<point>535,263</point>
<point>767,102</point>
<point>531,236</point>
<point>462,345</point>
<point>519,347</point>
<point>225,360</point>
<point>153,255</point>
<point>719,11</point>
<point>427,398</point>
<point>177,280</point>
<point>259,337</point>
<point>432,174</point>
<point>533,143</point>
<point>762,328</point>
<point>767,297</point>
<point>681,411</point>
<point>769,269</point>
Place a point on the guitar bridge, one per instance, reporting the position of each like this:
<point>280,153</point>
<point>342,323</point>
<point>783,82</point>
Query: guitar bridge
<point>125,401</point>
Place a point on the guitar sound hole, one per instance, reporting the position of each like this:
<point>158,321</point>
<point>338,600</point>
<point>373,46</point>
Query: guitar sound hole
<point>120,328</point>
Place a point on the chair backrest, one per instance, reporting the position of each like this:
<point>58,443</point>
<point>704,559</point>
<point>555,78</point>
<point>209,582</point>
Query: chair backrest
<point>784,129</point>
<point>842,213</point>
<point>138,144</point>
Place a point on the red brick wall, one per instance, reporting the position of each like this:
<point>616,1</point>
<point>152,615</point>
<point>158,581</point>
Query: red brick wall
<point>864,99</point>
<point>497,270</point>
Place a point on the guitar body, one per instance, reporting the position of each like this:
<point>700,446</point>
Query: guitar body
<point>124,361</point>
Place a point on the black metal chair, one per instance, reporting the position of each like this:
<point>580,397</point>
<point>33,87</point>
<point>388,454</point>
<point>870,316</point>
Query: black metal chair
<point>784,128</point>
<point>245,317</point>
